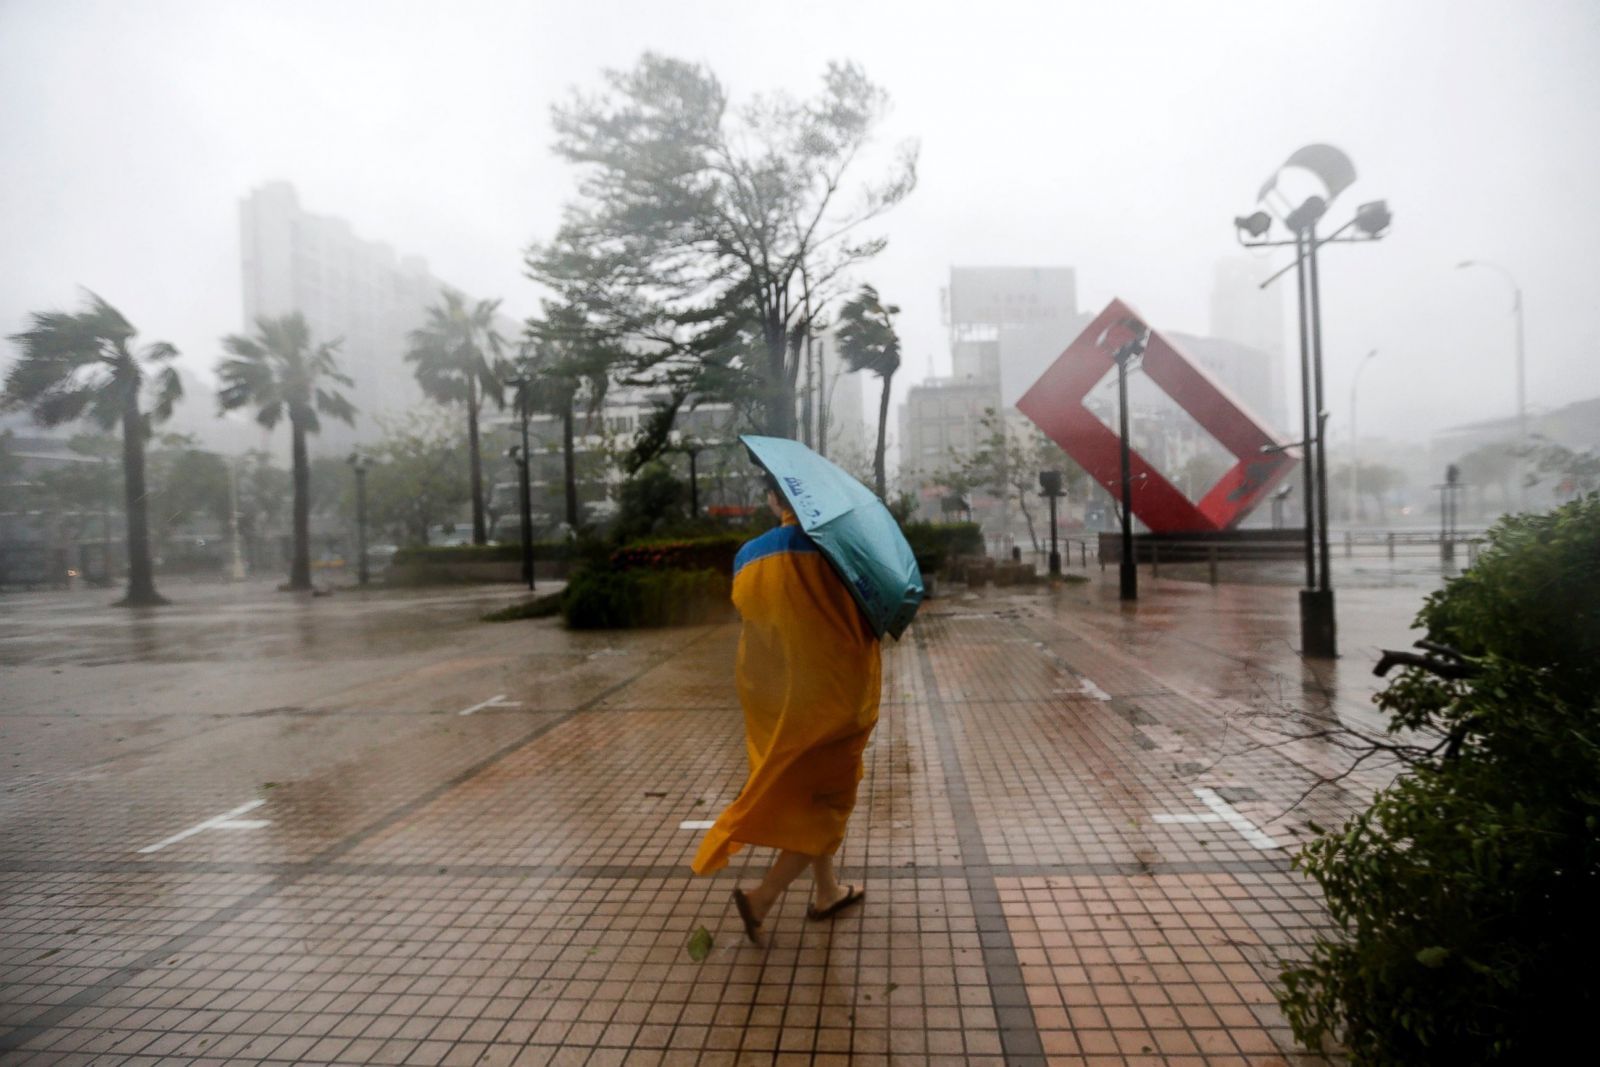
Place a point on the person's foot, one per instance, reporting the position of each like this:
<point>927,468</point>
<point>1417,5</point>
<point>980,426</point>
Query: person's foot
<point>827,909</point>
<point>748,916</point>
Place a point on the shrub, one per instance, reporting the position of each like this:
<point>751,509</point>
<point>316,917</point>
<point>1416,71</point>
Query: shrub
<point>935,543</point>
<point>700,553</point>
<point>1465,897</point>
<point>619,599</point>
<point>540,607</point>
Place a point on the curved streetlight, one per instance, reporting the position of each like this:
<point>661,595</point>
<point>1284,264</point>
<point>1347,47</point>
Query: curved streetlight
<point>1355,441</point>
<point>1516,311</point>
<point>1333,172</point>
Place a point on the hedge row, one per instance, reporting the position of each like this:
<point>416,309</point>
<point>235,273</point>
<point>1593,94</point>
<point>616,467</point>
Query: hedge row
<point>605,600</point>
<point>688,554</point>
<point>543,551</point>
<point>936,543</point>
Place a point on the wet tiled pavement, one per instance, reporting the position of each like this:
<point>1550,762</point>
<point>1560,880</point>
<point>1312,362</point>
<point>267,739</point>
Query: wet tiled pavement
<point>370,829</point>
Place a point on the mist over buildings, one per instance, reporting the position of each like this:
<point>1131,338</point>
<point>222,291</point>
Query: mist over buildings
<point>1114,141</point>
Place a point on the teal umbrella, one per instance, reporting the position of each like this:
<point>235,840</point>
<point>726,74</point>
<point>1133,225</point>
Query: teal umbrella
<point>851,527</point>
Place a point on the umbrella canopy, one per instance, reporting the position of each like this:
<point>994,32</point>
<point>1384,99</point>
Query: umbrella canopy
<point>851,527</point>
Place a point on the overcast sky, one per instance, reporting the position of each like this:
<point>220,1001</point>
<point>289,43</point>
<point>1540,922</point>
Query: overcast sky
<point>1117,138</point>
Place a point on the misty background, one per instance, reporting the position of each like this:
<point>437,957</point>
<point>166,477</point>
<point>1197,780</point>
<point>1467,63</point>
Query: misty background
<point>1116,139</point>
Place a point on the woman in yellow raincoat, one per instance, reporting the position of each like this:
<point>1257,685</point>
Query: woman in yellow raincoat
<point>808,675</point>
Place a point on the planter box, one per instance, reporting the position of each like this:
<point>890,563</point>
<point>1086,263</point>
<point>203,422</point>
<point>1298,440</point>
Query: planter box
<point>474,572</point>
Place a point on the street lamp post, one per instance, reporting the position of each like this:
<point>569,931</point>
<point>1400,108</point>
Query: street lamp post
<point>1334,171</point>
<point>1355,441</point>
<point>359,463</point>
<point>519,456</point>
<point>1125,356</point>
<point>1522,406</point>
<point>694,480</point>
<point>1050,484</point>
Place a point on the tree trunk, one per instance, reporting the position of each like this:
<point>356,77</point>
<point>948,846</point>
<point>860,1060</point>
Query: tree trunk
<point>141,574</point>
<point>569,468</point>
<point>300,565</point>
<point>779,385</point>
<point>883,427</point>
<point>480,531</point>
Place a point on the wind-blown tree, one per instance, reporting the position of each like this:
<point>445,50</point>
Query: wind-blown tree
<point>696,221</point>
<point>84,364</point>
<point>867,342</point>
<point>458,357</point>
<point>281,371</point>
<point>563,370</point>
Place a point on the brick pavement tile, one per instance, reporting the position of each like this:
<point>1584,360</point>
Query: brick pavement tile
<point>537,910</point>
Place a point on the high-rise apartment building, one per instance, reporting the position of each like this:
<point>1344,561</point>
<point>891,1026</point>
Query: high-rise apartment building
<point>347,287</point>
<point>1252,367</point>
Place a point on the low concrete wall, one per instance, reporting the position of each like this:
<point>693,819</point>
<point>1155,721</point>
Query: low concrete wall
<point>471,573</point>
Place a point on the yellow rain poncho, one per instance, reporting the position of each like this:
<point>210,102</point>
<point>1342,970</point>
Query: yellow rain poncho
<point>808,675</point>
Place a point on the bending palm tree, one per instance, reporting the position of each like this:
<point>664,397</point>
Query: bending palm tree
<point>457,353</point>
<point>867,341</point>
<point>281,372</point>
<point>80,364</point>
<point>562,366</point>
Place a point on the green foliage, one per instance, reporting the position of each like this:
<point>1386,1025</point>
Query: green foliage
<point>650,501</point>
<point>935,543</point>
<point>700,553</point>
<point>1464,897</point>
<point>867,341</point>
<point>186,485</point>
<point>418,478</point>
<point>706,237</point>
<point>540,607</point>
<point>700,944</point>
<point>598,599</point>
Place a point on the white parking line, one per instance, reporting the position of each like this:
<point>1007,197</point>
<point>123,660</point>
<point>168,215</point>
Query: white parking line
<point>497,701</point>
<point>1223,812</point>
<point>228,820</point>
<point>696,824</point>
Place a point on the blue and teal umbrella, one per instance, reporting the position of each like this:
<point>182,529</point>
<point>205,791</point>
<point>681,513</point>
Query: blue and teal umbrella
<point>851,527</point>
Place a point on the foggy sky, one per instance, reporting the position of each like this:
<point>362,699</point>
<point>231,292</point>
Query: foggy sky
<point>1116,138</point>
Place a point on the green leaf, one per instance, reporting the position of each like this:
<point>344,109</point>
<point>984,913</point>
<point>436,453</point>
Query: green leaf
<point>1433,956</point>
<point>700,944</point>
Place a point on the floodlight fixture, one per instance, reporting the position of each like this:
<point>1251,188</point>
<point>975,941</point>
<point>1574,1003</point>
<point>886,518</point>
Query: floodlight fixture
<point>1373,217</point>
<point>1254,226</point>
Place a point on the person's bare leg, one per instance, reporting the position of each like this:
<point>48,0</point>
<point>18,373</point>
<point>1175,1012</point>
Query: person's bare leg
<point>785,869</point>
<point>828,891</point>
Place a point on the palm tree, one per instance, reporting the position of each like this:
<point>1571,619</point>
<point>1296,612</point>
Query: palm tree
<point>281,371</point>
<point>458,357</point>
<point>562,365</point>
<point>867,341</point>
<point>80,364</point>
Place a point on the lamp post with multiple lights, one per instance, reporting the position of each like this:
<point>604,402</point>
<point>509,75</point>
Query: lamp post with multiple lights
<point>1332,169</point>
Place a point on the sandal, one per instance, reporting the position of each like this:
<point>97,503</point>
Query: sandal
<point>752,925</point>
<point>851,896</point>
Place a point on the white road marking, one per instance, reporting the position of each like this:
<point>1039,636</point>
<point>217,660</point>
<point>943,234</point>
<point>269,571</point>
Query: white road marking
<point>1221,812</point>
<point>228,820</point>
<point>497,701</point>
<point>1247,829</point>
<point>1090,689</point>
<point>1187,818</point>
<point>696,824</point>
